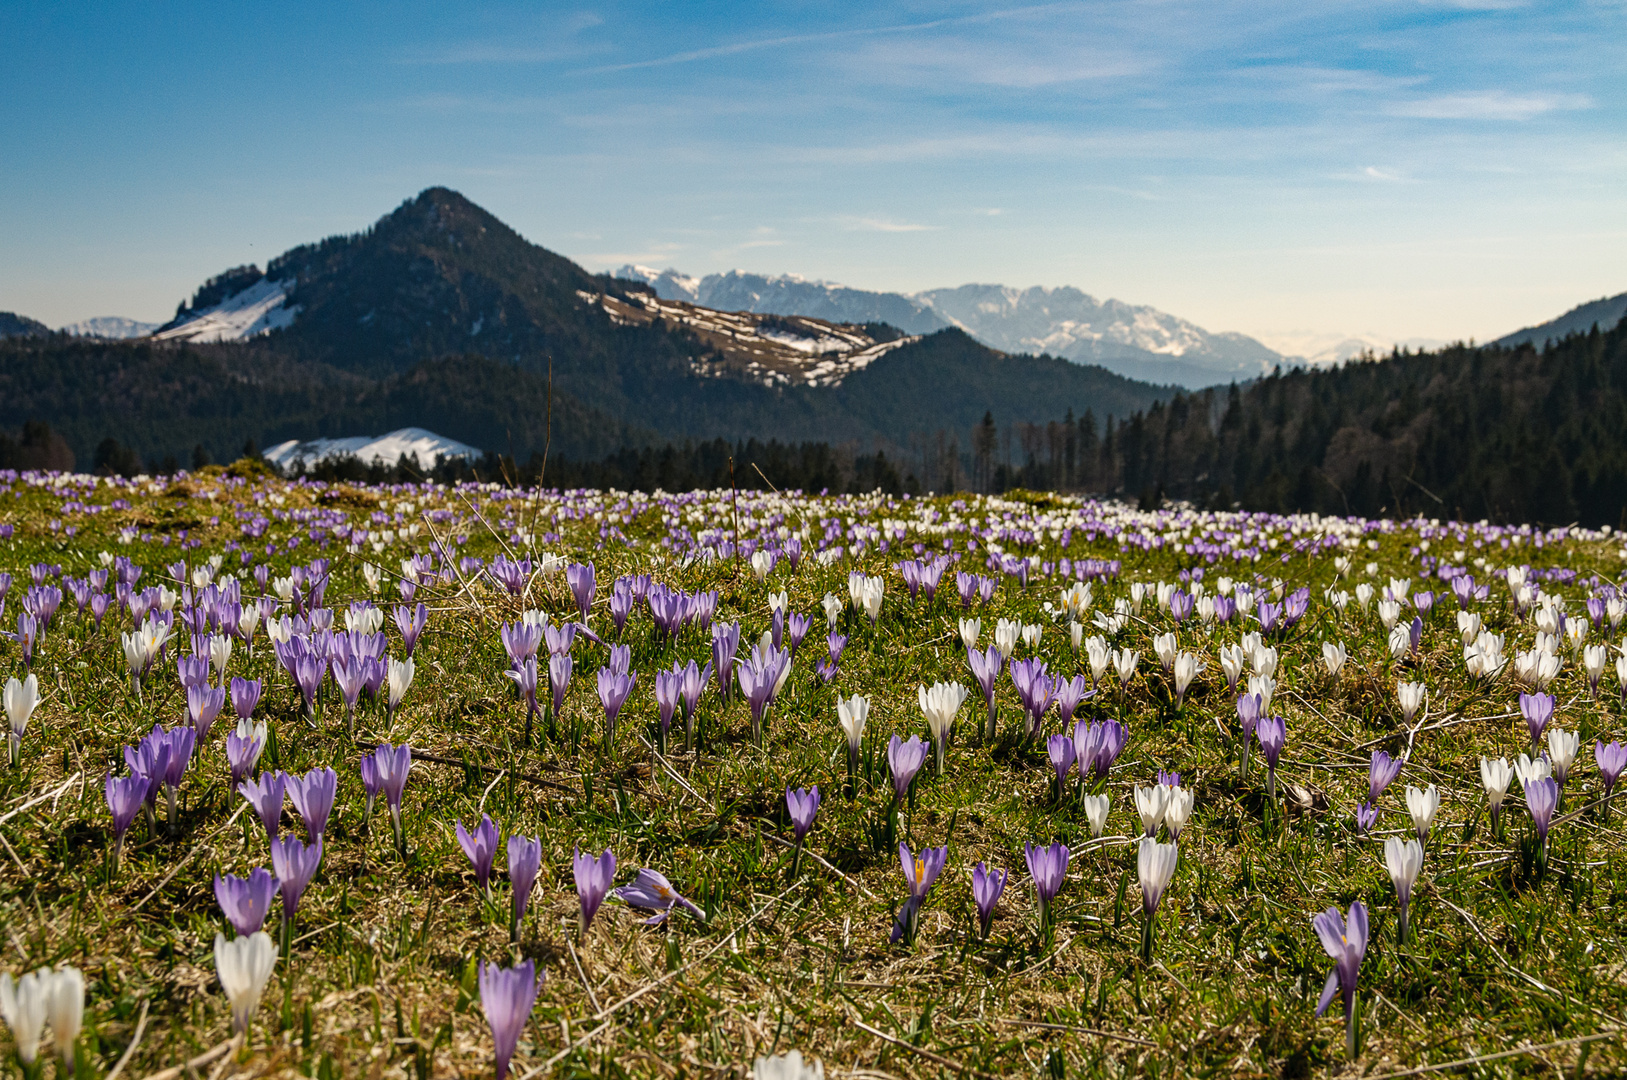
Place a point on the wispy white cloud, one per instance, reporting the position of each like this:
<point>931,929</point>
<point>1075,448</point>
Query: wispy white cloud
<point>1488,105</point>
<point>737,47</point>
<point>885,225</point>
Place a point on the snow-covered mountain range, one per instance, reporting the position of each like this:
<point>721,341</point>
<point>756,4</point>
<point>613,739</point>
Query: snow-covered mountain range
<point>386,448</point>
<point>110,327</point>
<point>1134,340</point>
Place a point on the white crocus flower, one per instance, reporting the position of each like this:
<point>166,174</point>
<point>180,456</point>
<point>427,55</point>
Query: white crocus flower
<point>1152,802</point>
<point>248,622</point>
<point>1404,859</point>
<point>1124,663</point>
<point>1178,810</point>
<point>220,654</point>
<point>1529,770</point>
<point>1031,635</point>
<point>1099,657</point>
<point>853,714</point>
<point>244,966</point>
<point>833,609</point>
<point>874,590</point>
<point>1076,634</point>
<point>1594,660</point>
<point>1232,661</point>
<point>1468,626</point>
<point>1006,634</point>
<point>1495,776</point>
<point>1334,657</point>
<point>1187,667</point>
<point>1364,595</point>
<point>1164,647</point>
<point>397,679</point>
<point>1388,613</point>
<point>371,576</point>
<point>1562,748</point>
<point>778,601</point>
<point>1400,642</point>
<point>761,563</point>
<point>65,1010</point>
<point>1095,807</point>
<point>1412,696</point>
<point>1264,661</point>
<point>970,631</point>
<point>939,704</point>
<point>23,1005</point>
<point>1422,806</point>
<point>21,698</point>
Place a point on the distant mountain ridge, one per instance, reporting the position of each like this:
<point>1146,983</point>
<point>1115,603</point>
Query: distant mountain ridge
<point>1606,313</point>
<point>1136,341</point>
<point>439,316</point>
<point>110,327</point>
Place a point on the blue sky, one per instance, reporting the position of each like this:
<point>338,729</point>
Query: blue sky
<point>1409,169</point>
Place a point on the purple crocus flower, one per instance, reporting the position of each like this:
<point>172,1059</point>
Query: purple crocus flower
<point>193,670</point>
<point>245,696</point>
<point>295,864</point>
<point>580,577</point>
<point>411,622</point>
<point>1048,866</point>
<point>392,764</point>
<point>905,759</point>
<point>313,796</point>
<point>525,677</point>
<point>559,639</point>
<point>1537,709</point>
<point>725,643</point>
<point>1062,752</point>
<point>1612,760</point>
<point>203,704</point>
<point>689,697</point>
<point>1272,732</point>
<point>246,901</point>
<point>593,880</point>
<point>667,687</point>
<point>803,805</point>
<point>559,678</point>
<point>1345,941</point>
<point>265,795</point>
<point>987,885</point>
<point>920,871</point>
<point>759,676</point>
<point>308,671</point>
<point>1542,798</point>
<point>1069,694</point>
<point>1381,772</point>
<point>1035,689</point>
<point>524,860</point>
<point>481,848</point>
<point>621,659</point>
<point>350,675</point>
<point>1366,817</point>
<point>1250,707</point>
<point>798,627</point>
<point>652,891</point>
<point>1109,742</point>
<point>126,795</point>
<point>986,666</point>
<point>614,689</point>
<point>507,996</point>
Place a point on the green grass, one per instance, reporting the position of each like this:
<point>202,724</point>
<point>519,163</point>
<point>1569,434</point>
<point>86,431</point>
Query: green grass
<point>382,979</point>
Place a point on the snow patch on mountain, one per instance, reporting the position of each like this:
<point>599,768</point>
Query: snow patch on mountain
<point>110,327</point>
<point>258,309</point>
<point>668,284</point>
<point>367,448</point>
